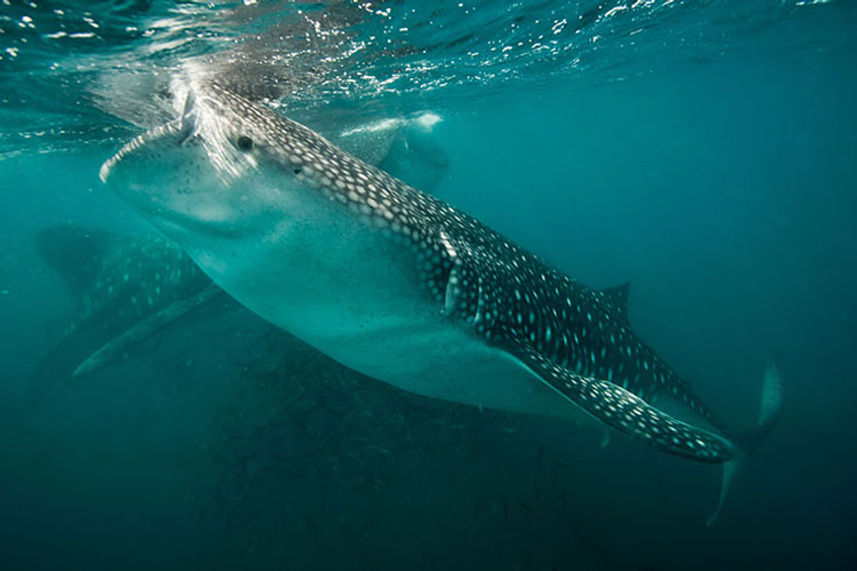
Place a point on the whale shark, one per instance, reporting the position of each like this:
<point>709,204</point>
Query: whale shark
<point>400,286</point>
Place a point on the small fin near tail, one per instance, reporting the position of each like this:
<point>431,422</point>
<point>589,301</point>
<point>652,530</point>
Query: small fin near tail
<point>770,408</point>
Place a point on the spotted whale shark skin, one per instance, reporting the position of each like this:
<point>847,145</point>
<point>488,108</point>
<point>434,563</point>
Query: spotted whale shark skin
<point>392,282</point>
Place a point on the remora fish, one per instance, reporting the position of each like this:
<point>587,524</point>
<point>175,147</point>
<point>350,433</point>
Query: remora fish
<point>395,283</point>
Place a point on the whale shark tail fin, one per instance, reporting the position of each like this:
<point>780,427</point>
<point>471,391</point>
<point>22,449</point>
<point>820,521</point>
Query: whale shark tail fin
<point>747,441</point>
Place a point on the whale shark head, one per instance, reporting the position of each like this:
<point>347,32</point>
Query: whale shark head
<point>231,167</point>
<point>222,168</point>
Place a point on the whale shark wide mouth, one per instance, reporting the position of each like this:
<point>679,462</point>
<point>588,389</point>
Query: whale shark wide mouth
<point>167,173</point>
<point>180,129</point>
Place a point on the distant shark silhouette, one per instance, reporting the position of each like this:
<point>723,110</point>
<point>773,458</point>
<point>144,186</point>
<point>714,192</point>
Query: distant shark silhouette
<point>399,285</point>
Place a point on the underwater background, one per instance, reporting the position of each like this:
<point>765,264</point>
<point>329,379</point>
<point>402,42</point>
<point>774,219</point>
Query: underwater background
<point>705,151</point>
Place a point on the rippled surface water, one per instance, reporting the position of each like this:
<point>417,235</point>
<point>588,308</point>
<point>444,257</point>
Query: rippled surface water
<point>75,71</point>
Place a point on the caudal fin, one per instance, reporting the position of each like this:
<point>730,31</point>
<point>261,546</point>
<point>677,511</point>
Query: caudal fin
<point>746,442</point>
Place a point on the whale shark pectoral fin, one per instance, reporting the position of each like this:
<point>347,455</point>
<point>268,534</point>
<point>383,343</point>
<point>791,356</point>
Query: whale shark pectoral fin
<point>142,330</point>
<point>628,413</point>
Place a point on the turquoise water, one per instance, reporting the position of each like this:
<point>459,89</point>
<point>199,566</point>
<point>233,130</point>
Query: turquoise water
<point>703,151</point>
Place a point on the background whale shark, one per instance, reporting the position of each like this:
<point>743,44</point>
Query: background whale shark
<point>125,289</point>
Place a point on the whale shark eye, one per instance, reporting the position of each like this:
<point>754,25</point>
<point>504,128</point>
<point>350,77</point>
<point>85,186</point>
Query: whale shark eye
<point>244,143</point>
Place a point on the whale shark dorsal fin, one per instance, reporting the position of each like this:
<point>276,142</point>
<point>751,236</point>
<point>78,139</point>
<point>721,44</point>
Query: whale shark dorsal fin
<point>618,296</point>
<point>626,412</point>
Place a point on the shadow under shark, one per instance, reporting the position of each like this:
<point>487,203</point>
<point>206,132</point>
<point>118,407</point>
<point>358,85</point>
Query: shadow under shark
<point>400,286</point>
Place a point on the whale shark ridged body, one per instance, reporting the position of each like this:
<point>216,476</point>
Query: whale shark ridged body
<point>391,281</point>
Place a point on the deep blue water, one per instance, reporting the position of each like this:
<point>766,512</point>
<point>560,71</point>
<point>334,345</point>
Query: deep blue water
<point>703,151</point>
